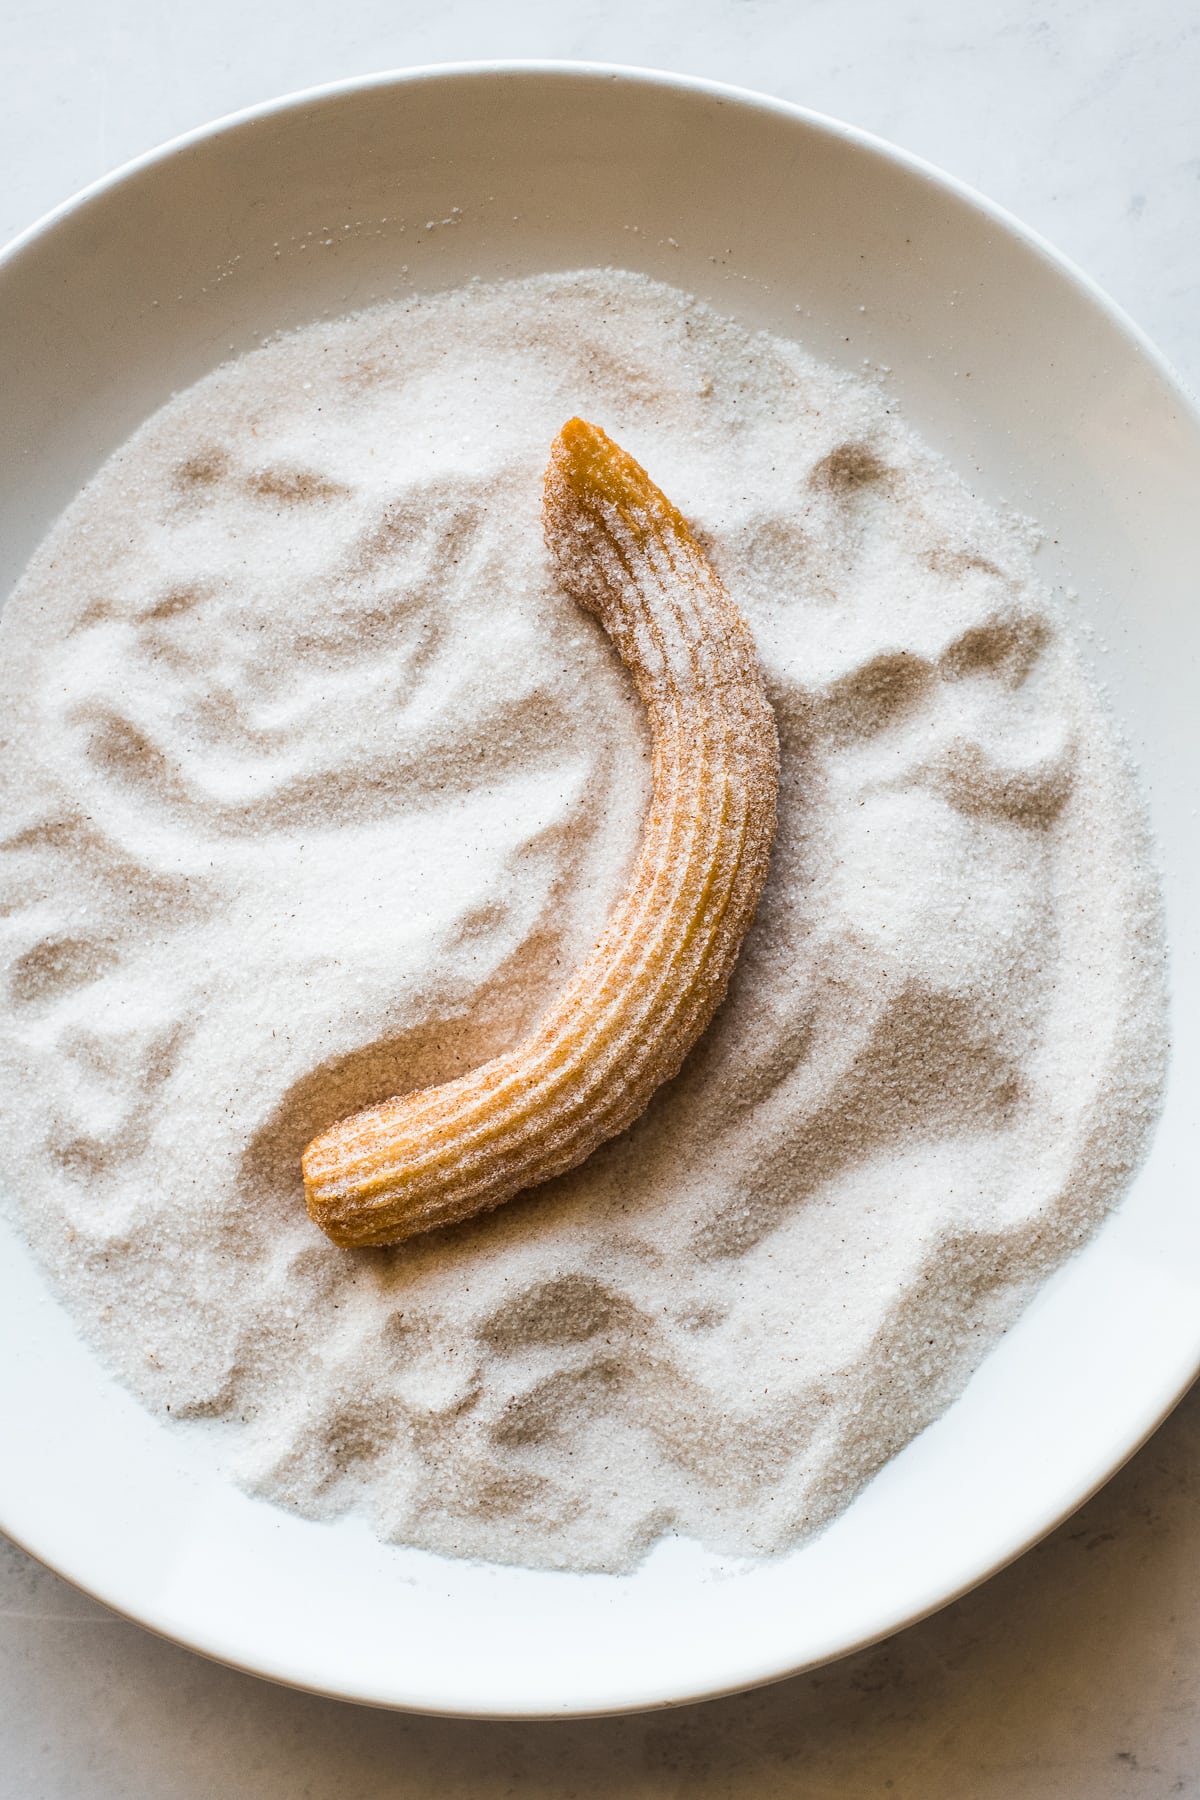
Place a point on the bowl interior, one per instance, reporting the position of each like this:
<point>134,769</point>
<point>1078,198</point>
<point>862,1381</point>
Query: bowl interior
<point>1043,397</point>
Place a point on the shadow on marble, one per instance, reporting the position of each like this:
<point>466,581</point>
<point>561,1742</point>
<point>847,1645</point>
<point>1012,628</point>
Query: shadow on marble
<point>1071,1676</point>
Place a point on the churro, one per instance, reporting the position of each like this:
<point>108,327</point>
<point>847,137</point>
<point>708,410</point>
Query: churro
<point>628,1018</point>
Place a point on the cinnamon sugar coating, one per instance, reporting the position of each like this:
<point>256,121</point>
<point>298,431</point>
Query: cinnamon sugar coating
<point>627,1019</point>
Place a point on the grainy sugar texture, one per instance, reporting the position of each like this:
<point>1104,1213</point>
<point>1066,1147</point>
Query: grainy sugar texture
<point>316,788</point>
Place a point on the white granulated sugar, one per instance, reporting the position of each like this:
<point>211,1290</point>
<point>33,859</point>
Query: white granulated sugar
<point>315,789</point>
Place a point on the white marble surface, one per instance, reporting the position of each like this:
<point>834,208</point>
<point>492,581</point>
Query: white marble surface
<point>1075,1675</point>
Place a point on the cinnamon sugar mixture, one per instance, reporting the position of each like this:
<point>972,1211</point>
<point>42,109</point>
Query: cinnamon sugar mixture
<point>314,788</point>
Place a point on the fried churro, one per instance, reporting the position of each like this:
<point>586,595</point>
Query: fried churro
<point>650,985</point>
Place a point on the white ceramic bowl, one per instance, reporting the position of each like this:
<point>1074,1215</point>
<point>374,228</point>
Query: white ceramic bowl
<point>1042,394</point>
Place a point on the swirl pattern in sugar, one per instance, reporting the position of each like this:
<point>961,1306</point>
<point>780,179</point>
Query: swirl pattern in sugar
<point>315,788</point>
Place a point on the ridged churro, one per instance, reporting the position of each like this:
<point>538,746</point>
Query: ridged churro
<point>631,1013</point>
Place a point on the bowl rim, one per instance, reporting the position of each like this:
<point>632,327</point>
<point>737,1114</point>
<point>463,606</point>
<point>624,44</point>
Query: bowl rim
<point>639,75</point>
<point>1172,1391</point>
